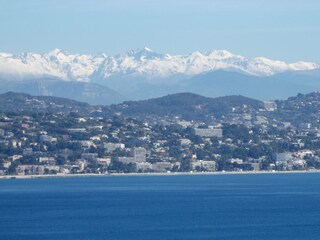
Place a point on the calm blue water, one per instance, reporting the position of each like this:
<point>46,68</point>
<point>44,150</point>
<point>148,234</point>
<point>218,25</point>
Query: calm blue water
<point>274,206</point>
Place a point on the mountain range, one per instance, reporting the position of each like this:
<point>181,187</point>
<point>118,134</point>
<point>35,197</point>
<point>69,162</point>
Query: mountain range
<point>142,74</point>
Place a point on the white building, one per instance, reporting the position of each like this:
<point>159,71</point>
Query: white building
<point>110,147</point>
<point>126,160</point>
<point>270,106</point>
<point>209,132</point>
<point>47,160</point>
<point>30,170</point>
<point>202,165</point>
<point>162,166</point>
<point>142,166</point>
<point>139,154</point>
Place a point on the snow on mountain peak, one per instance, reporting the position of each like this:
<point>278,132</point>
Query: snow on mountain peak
<point>56,52</point>
<point>143,54</point>
<point>220,54</point>
<point>265,66</point>
<point>140,62</point>
<point>147,49</point>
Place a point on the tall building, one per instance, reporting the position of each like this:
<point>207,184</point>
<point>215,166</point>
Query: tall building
<point>139,154</point>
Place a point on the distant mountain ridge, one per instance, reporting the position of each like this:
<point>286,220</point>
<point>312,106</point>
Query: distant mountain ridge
<point>142,62</point>
<point>81,91</point>
<point>144,74</point>
<point>279,86</point>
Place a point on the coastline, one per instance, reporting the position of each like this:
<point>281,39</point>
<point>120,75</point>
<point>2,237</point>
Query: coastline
<point>150,174</point>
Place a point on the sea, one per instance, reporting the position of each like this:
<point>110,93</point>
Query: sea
<point>226,206</point>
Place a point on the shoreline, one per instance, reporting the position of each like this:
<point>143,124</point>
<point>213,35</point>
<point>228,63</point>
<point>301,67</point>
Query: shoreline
<point>150,174</point>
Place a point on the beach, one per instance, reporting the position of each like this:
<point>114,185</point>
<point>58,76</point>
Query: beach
<point>152,174</point>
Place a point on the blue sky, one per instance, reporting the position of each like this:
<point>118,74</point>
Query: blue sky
<point>279,29</point>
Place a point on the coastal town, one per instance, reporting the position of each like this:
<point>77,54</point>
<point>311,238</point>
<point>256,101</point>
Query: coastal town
<point>244,139</point>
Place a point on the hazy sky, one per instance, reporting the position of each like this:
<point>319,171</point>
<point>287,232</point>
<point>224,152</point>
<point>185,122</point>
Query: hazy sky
<point>279,29</point>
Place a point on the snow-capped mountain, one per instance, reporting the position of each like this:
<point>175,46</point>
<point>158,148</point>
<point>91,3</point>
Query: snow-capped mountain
<point>56,63</point>
<point>142,74</point>
<point>138,63</point>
